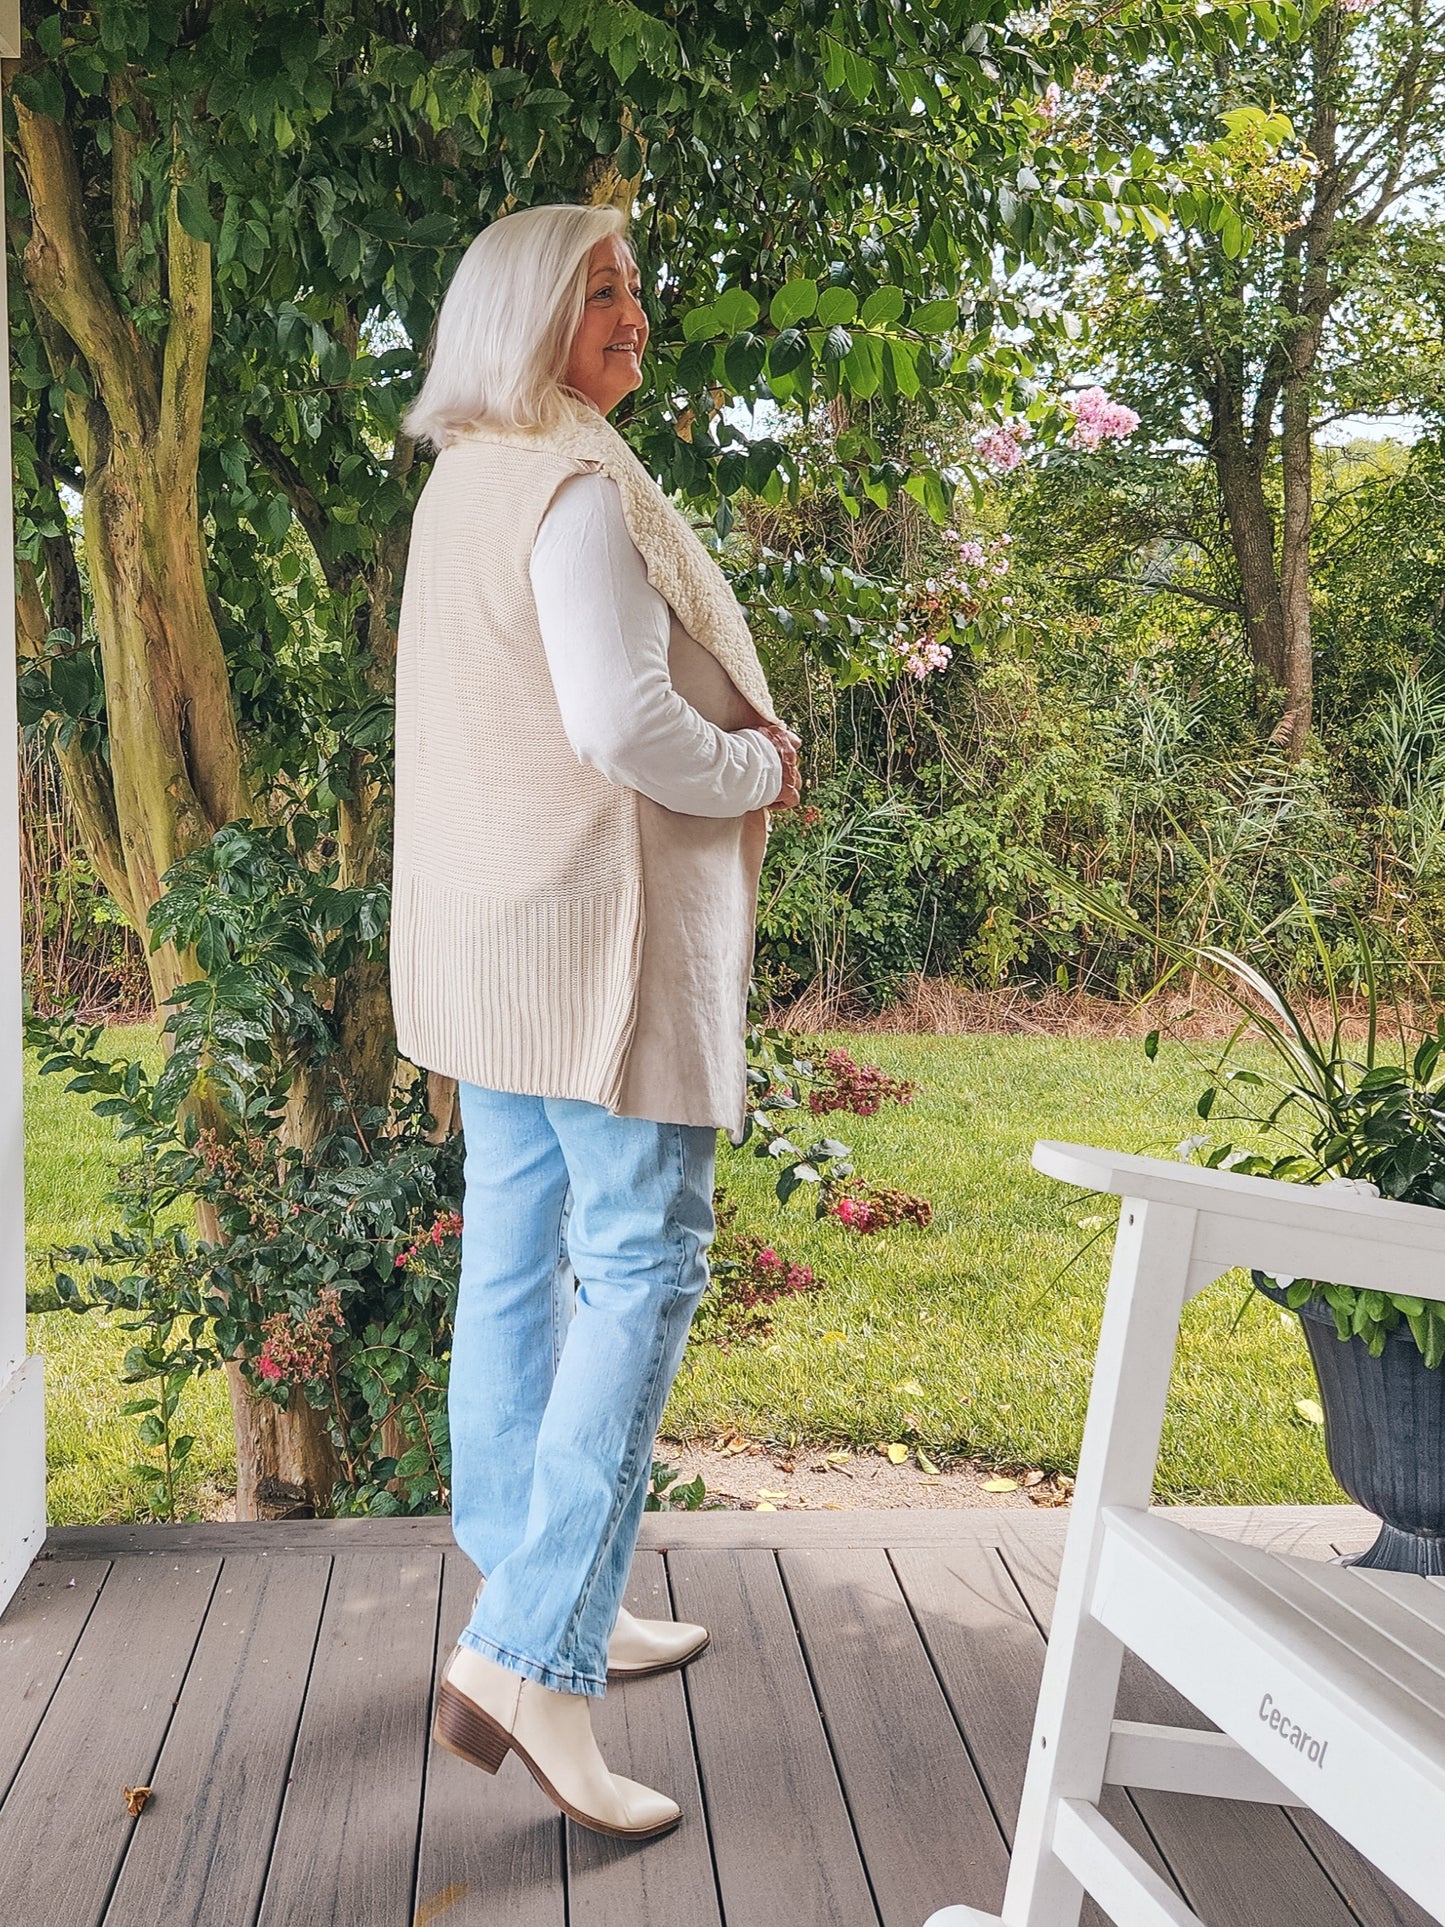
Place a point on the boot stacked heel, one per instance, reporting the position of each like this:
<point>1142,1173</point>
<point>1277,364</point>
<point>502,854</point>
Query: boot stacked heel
<point>466,1730</point>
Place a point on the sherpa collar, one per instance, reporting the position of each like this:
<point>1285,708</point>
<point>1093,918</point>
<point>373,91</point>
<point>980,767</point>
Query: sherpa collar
<point>679,567</point>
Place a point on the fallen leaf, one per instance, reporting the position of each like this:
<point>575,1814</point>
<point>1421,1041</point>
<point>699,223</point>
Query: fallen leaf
<point>438,1904</point>
<point>135,1798</point>
<point>897,1454</point>
<point>927,1464</point>
<point>1000,1485</point>
<point>910,1388</point>
<point>765,1493</point>
<point>837,1458</point>
<point>913,1421</point>
<point>1310,1410</point>
<point>738,1445</point>
<point>1035,1477</point>
<point>763,1506</point>
<point>835,1338</point>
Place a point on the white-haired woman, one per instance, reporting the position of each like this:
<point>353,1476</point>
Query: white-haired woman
<point>586,751</point>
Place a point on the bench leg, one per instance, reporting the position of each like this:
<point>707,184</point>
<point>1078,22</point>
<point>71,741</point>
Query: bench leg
<point>1148,1286</point>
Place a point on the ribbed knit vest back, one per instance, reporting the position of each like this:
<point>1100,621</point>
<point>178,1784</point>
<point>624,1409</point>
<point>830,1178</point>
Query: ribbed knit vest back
<point>517,916</point>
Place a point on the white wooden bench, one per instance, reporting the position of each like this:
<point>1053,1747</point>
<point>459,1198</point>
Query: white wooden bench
<point>1327,1683</point>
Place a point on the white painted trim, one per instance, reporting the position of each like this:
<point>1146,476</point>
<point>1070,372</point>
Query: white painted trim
<point>22,1404</point>
<point>22,1487</point>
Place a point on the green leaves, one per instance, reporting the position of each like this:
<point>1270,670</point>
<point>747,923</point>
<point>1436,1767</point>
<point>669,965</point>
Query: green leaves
<point>934,317</point>
<point>793,302</point>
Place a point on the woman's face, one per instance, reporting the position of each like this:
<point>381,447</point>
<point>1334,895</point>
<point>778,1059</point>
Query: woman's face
<point>605,362</point>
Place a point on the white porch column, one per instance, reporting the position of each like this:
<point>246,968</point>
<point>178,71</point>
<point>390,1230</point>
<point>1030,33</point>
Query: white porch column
<point>22,1406</point>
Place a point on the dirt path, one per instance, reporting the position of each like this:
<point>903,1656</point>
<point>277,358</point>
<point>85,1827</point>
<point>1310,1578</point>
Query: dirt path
<point>742,1476</point>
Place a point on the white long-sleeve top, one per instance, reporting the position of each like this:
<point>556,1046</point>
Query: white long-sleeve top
<point>645,704</point>
<point>606,632</point>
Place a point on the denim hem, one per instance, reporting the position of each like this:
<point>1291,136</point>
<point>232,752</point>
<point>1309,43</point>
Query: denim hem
<point>560,1682</point>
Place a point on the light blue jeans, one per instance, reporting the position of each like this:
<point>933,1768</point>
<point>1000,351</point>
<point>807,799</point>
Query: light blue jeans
<point>584,1254</point>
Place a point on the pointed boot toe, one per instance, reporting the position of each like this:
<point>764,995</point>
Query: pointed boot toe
<point>642,1646</point>
<point>648,1811</point>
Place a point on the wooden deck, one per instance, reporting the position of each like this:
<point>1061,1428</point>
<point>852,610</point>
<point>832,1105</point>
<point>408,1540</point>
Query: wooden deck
<point>849,1752</point>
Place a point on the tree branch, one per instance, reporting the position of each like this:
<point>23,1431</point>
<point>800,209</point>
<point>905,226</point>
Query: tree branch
<point>1230,605</point>
<point>304,503</point>
<point>59,267</point>
<point>188,334</point>
<point>83,768</point>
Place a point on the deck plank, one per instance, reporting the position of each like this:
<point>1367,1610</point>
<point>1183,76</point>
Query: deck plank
<point>345,1850</point>
<point>491,1845</point>
<point>989,1654</point>
<point>643,1729</point>
<point>782,1838</point>
<point>921,1815</point>
<point>37,1636</point>
<point>698,1531</point>
<point>1225,1853</point>
<point>815,1746</point>
<point>64,1825</point>
<point>201,1850</point>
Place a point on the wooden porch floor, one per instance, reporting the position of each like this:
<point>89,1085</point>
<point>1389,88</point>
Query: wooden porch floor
<point>849,1752</point>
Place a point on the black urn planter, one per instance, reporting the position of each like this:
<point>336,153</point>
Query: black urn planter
<point>1384,1435</point>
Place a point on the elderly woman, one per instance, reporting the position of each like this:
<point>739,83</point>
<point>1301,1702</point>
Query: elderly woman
<point>586,751</point>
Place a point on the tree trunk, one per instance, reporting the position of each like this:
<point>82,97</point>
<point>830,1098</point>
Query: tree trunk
<point>286,1465</point>
<point>1310,301</point>
<point>1251,534</point>
<point>176,772</point>
<point>1297,454</point>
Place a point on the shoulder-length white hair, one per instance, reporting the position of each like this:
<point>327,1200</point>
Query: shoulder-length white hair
<point>505,327</point>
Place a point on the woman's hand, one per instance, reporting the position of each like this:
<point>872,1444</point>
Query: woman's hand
<point>786,742</point>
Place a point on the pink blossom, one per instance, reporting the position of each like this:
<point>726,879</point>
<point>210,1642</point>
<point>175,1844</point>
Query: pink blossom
<point>1052,99</point>
<point>1001,445</point>
<point>267,1366</point>
<point>1098,420</point>
<point>855,1214</point>
<point>922,659</point>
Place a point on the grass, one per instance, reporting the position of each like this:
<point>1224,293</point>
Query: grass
<point>70,1160</point>
<point>964,1338</point>
<point>968,1327</point>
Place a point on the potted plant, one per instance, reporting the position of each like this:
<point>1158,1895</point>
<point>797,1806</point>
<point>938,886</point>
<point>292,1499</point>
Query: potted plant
<point>1365,1110</point>
<point>1349,1101</point>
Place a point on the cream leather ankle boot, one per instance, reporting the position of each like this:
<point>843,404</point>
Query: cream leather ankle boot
<point>485,1711</point>
<point>642,1646</point>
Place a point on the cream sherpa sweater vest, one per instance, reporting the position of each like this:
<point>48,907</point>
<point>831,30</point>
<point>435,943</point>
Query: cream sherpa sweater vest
<point>517,907</point>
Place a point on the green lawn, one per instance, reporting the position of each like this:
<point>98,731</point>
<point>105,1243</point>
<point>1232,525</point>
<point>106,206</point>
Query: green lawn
<point>973,1310</point>
<point>965,1327</point>
<point>70,1156</point>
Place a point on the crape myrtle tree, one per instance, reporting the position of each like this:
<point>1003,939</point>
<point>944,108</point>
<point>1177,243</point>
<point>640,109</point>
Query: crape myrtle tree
<point>1243,340</point>
<point>233,223</point>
